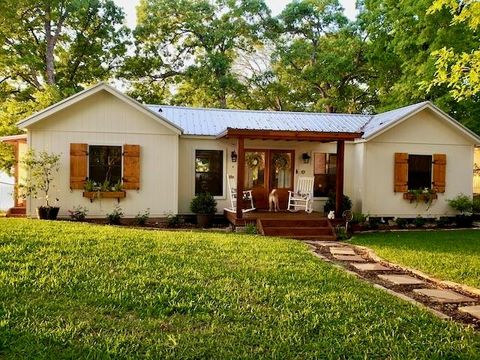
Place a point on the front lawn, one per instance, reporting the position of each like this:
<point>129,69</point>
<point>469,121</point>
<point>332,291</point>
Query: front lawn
<point>448,255</point>
<point>84,291</point>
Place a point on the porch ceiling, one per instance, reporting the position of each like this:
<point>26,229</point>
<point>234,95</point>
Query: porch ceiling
<point>288,135</point>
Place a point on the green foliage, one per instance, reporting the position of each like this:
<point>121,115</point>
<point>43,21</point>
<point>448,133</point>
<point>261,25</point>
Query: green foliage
<point>142,217</point>
<point>443,254</point>
<point>461,203</point>
<point>330,203</point>
<point>79,213</point>
<point>163,294</point>
<point>250,229</point>
<point>174,221</point>
<point>476,205</point>
<point>42,168</point>
<point>359,218</point>
<point>341,233</point>
<point>401,222</point>
<point>115,216</point>
<point>420,221</point>
<point>203,203</point>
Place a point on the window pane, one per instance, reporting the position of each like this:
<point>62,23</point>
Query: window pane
<point>209,172</point>
<point>281,170</point>
<point>325,171</point>
<point>419,172</point>
<point>105,164</point>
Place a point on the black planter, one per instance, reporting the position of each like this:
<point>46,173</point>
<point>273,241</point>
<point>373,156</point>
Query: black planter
<point>204,220</point>
<point>463,221</point>
<point>47,212</point>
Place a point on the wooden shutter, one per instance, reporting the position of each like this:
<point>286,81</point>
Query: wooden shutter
<point>401,172</point>
<point>78,165</point>
<point>131,167</point>
<point>439,172</point>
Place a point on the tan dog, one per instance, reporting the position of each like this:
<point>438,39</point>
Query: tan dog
<point>273,201</point>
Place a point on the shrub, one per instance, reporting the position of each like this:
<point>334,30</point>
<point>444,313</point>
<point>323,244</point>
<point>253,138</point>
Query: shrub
<point>341,232</point>
<point>142,217</point>
<point>462,203</point>
<point>373,222</point>
<point>359,218</point>
<point>115,216</point>
<point>420,221</point>
<point>203,203</point>
<point>174,221</point>
<point>401,222</point>
<point>250,229</point>
<point>330,204</point>
<point>79,213</point>
<point>476,205</point>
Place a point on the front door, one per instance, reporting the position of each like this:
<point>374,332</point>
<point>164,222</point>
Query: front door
<point>266,170</point>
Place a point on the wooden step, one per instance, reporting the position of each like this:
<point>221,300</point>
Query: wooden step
<point>16,212</point>
<point>286,223</point>
<point>297,231</point>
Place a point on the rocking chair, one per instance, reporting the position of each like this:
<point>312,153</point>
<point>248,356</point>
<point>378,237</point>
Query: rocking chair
<point>302,197</point>
<point>247,196</point>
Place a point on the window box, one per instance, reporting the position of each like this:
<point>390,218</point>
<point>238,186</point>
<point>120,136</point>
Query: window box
<point>421,197</point>
<point>92,195</point>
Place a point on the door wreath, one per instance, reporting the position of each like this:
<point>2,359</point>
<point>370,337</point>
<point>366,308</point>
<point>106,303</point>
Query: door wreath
<point>254,160</point>
<point>281,161</point>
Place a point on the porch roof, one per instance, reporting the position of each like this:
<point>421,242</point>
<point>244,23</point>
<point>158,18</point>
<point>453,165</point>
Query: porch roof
<point>289,135</point>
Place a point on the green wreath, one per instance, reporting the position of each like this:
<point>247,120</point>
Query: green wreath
<point>254,160</point>
<point>281,161</point>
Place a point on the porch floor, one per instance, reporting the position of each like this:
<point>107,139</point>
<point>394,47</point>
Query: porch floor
<point>297,225</point>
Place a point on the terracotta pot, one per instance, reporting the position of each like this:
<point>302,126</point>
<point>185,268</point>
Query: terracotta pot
<point>204,220</point>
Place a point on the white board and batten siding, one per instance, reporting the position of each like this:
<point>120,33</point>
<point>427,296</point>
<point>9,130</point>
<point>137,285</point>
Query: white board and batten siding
<point>103,119</point>
<point>422,134</point>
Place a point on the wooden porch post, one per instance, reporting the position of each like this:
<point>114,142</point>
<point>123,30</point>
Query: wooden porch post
<point>340,177</point>
<point>240,175</point>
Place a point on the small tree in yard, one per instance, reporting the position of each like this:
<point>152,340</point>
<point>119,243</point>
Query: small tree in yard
<point>42,168</point>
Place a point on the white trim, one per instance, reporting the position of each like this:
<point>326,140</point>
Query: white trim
<point>467,132</point>
<point>89,92</point>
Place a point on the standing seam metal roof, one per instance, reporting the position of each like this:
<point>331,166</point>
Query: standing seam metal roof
<point>211,122</point>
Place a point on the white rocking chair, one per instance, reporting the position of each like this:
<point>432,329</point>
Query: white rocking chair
<point>302,197</point>
<point>247,195</point>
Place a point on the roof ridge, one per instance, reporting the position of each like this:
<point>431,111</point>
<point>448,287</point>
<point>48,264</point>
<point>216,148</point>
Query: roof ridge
<point>258,111</point>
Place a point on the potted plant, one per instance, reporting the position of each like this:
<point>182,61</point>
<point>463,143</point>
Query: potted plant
<point>464,205</point>
<point>42,168</point>
<point>204,206</point>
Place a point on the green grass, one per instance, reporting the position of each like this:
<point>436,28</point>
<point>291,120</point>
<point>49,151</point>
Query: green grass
<point>84,291</point>
<point>448,255</point>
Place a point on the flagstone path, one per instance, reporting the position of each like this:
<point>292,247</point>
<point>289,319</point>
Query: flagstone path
<point>445,300</point>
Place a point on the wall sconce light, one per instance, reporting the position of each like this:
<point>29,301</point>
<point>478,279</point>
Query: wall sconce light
<point>306,158</point>
<point>234,156</point>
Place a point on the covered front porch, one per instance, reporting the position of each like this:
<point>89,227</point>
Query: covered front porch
<point>261,145</point>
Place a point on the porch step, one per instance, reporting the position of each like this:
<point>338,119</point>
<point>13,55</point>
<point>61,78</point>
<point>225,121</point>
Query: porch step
<point>16,212</point>
<point>300,229</point>
<point>288,223</point>
<point>297,231</point>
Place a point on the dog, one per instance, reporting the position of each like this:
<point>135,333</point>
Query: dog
<point>273,201</point>
<point>331,215</point>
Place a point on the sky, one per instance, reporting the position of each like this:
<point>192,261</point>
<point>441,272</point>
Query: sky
<point>276,6</point>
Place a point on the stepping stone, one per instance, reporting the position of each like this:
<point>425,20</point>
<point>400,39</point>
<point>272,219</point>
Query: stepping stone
<point>355,258</point>
<point>443,296</point>
<point>471,310</point>
<point>342,251</point>
<point>401,279</point>
<point>370,267</point>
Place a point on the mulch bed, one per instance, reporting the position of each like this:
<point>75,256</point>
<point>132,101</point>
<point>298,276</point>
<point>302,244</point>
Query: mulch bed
<point>451,310</point>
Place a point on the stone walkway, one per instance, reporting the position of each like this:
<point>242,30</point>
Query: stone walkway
<point>444,301</point>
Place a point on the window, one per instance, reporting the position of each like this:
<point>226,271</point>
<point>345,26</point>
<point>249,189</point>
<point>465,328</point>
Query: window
<point>105,164</point>
<point>419,172</point>
<point>325,173</point>
<point>209,172</point>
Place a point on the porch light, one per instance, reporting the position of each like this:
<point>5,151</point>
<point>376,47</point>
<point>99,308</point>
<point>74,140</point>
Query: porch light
<point>306,158</point>
<point>234,156</point>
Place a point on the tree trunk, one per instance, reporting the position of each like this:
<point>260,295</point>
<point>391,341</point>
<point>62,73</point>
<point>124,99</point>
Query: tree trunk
<point>49,48</point>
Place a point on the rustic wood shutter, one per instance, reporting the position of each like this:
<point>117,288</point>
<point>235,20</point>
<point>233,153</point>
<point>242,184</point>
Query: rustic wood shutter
<point>131,167</point>
<point>78,165</point>
<point>401,172</point>
<point>439,172</point>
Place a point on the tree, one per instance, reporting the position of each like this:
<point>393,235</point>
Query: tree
<point>186,49</point>
<point>460,71</point>
<point>321,58</point>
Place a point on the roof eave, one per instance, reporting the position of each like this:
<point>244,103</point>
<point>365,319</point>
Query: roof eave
<point>288,135</point>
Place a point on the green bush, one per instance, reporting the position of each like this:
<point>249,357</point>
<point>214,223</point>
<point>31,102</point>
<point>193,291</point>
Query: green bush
<point>115,216</point>
<point>330,204</point>
<point>250,229</point>
<point>142,217</point>
<point>420,221</point>
<point>462,203</point>
<point>476,205</point>
<point>174,221</point>
<point>203,203</point>
<point>401,222</point>
<point>359,218</point>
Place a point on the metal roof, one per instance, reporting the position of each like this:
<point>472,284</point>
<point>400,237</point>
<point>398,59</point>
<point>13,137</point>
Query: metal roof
<point>211,122</point>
